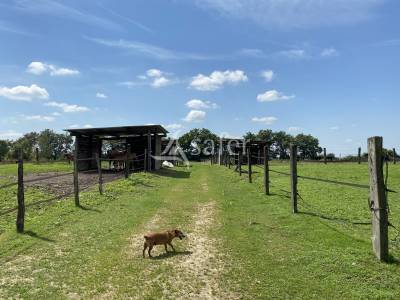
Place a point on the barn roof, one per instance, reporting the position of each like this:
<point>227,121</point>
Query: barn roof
<point>120,131</point>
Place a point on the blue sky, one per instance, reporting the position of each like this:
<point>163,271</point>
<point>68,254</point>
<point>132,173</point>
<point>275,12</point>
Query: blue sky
<point>328,68</point>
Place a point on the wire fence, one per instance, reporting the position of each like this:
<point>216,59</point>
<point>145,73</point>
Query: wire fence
<point>369,208</point>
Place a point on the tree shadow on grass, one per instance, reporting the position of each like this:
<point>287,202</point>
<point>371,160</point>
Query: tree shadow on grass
<point>169,254</point>
<point>36,236</point>
<point>173,173</point>
<point>83,207</point>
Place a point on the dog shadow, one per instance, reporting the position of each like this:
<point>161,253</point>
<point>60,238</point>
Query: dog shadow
<point>170,254</point>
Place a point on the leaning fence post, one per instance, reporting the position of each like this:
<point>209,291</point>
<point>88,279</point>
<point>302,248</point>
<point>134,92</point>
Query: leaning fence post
<point>240,162</point>
<point>266,170</point>
<point>20,194</point>
<point>249,164</point>
<point>394,156</point>
<point>359,155</point>
<point>324,155</point>
<point>377,198</point>
<point>98,160</point>
<point>76,179</point>
<point>293,176</point>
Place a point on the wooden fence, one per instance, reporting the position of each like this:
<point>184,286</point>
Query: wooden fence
<point>377,188</point>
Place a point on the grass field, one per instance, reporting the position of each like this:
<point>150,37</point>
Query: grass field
<point>241,244</point>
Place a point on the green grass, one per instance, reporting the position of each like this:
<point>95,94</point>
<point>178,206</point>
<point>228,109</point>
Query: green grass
<point>267,252</point>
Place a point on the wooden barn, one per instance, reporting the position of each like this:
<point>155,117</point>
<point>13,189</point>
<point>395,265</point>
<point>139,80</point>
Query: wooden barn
<point>136,140</point>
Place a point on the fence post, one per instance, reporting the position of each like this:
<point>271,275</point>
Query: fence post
<point>99,170</point>
<point>37,154</point>
<point>266,170</point>
<point>126,166</point>
<point>249,164</point>
<point>145,160</point>
<point>20,194</point>
<point>394,156</point>
<point>76,179</point>
<point>240,162</point>
<point>293,176</point>
<point>359,155</point>
<point>229,159</point>
<point>324,155</point>
<point>377,198</point>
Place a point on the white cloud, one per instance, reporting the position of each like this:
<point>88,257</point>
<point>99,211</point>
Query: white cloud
<point>174,126</point>
<point>56,114</point>
<point>24,93</point>
<point>88,126</point>
<point>39,68</point>
<point>329,52</point>
<point>195,116</point>
<point>9,134</point>
<point>200,104</point>
<point>217,79</point>
<point>264,120</point>
<point>294,53</point>
<point>160,82</point>
<point>154,73</point>
<point>101,96</point>
<point>286,14</point>
<point>68,108</point>
<point>39,118</point>
<point>293,129</point>
<point>268,75</point>
<point>273,95</point>
<point>73,126</point>
<point>227,135</point>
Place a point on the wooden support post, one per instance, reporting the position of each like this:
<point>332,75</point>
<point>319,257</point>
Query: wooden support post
<point>20,195</point>
<point>359,155</point>
<point>259,157</point>
<point>240,162</point>
<point>76,178</point>
<point>229,160</point>
<point>378,201</point>
<point>293,177</point>
<point>324,155</point>
<point>126,165</point>
<point>37,154</point>
<point>145,161</point>
<point>266,170</point>
<point>149,166</point>
<point>98,160</point>
<point>249,164</point>
<point>394,156</point>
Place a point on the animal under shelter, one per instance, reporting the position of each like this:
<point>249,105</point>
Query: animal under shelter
<point>139,141</point>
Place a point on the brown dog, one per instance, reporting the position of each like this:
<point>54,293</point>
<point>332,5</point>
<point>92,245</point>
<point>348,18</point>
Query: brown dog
<point>161,238</point>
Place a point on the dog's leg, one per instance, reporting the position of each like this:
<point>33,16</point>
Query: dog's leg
<point>144,249</point>
<point>150,247</point>
<point>172,247</point>
<point>166,250</point>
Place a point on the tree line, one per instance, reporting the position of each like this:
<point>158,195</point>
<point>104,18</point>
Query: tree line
<point>51,145</point>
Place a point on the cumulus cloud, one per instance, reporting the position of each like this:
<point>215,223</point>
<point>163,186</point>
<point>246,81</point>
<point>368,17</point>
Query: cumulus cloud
<point>217,79</point>
<point>101,96</point>
<point>160,82</point>
<point>154,77</point>
<point>200,104</point>
<point>195,116</point>
<point>24,93</point>
<point>39,68</point>
<point>68,108</point>
<point>264,120</point>
<point>268,75</point>
<point>329,52</point>
<point>273,95</point>
<point>39,118</point>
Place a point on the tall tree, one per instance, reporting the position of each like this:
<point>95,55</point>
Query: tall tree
<point>194,142</point>
<point>26,143</point>
<point>4,148</point>
<point>281,144</point>
<point>308,146</point>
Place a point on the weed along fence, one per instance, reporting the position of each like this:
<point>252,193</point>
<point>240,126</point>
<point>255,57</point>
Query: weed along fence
<point>243,161</point>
